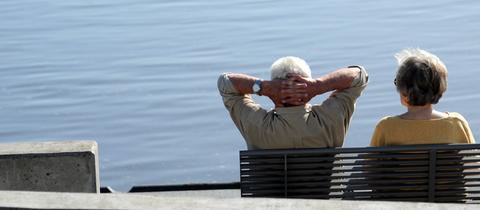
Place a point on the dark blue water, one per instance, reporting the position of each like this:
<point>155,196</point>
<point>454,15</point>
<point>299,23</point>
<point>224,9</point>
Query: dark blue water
<point>139,77</point>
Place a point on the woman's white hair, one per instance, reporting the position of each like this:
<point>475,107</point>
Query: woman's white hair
<point>422,55</point>
<point>290,65</point>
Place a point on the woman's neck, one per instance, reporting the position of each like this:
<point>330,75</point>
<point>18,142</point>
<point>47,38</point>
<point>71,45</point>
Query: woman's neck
<point>425,112</point>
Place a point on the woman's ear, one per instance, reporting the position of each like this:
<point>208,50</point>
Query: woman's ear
<point>404,100</point>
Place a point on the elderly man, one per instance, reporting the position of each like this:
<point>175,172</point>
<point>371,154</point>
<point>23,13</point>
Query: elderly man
<point>293,123</point>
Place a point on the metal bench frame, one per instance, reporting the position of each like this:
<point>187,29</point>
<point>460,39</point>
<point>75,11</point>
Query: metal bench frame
<point>427,173</point>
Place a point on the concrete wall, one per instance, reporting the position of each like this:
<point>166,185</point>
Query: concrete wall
<point>68,166</point>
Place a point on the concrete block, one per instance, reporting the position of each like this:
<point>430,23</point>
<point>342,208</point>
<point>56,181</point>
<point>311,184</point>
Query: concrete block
<point>67,166</point>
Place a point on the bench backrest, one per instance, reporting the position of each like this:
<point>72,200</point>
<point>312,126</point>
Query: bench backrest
<point>428,173</point>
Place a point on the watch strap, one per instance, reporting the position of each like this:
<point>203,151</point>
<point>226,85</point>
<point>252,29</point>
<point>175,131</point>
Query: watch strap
<point>257,87</point>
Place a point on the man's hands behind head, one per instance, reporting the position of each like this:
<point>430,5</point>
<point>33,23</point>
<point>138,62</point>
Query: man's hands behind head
<point>297,90</point>
<point>294,91</point>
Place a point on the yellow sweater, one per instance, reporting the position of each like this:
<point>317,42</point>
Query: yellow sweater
<point>398,131</point>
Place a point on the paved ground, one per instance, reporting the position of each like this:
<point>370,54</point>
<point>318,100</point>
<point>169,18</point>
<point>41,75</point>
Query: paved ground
<point>216,199</point>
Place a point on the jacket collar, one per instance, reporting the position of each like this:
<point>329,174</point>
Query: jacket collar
<point>293,109</point>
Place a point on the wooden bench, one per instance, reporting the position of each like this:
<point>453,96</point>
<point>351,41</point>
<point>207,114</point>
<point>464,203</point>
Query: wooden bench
<point>425,173</point>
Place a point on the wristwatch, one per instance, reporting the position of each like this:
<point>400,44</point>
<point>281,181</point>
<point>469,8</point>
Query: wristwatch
<point>257,87</point>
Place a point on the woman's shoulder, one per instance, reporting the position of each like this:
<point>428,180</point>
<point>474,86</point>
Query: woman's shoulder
<point>390,118</point>
<point>387,120</point>
<point>455,116</point>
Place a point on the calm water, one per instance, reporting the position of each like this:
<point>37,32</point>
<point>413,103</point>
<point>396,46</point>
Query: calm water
<point>140,76</point>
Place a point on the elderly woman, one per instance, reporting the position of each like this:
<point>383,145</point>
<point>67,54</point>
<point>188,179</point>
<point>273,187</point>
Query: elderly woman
<point>421,81</point>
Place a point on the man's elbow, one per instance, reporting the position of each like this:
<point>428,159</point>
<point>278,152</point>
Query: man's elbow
<point>225,86</point>
<point>221,82</point>
<point>360,76</point>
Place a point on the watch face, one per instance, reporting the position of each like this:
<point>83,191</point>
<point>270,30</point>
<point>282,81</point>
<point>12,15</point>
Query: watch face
<point>256,87</point>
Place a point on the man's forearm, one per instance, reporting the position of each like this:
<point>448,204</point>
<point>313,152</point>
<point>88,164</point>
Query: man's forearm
<point>243,83</point>
<point>336,80</point>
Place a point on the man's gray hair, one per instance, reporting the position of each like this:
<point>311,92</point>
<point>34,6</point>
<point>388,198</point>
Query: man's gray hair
<point>290,65</point>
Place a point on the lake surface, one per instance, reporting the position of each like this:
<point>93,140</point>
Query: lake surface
<point>139,77</point>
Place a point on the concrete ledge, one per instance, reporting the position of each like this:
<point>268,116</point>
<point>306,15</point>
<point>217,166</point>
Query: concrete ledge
<point>49,200</point>
<point>67,166</point>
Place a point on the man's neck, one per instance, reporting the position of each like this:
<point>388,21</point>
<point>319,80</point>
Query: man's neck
<point>286,105</point>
